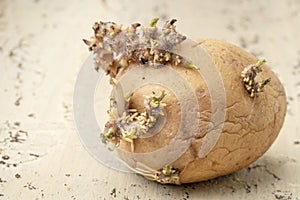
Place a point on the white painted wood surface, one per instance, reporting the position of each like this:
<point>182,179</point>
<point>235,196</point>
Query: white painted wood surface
<point>41,52</point>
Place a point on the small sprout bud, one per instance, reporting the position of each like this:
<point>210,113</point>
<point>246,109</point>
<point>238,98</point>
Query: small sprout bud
<point>261,62</point>
<point>170,25</point>
<point>265,82</point>
<point>157,100</point>
<point>153,22</point>
<point>87,42</point>
<point>172,21</point>
<point>192,66</point>
<point>135,25</point>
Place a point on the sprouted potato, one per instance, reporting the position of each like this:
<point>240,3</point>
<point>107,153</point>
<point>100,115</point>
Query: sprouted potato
<point>254,106</point>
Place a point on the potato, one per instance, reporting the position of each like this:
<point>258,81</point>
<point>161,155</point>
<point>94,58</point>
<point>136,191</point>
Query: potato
<point>252,120</point>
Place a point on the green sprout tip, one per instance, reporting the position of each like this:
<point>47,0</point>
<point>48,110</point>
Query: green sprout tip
<point>192,66</point>
<point>153,22</point>
<point>260,62</point>
<point>157,100</point>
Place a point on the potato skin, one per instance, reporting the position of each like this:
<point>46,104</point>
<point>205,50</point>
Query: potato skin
<point>251,124</point>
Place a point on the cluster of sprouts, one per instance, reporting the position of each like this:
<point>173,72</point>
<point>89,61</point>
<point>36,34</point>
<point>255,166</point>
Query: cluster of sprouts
<point>132,123</point>
<point>250,79</point>
<point>115,48</point>
<point>166,175</point>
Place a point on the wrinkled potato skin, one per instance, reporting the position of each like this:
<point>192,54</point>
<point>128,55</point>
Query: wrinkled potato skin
<point>251,124</point>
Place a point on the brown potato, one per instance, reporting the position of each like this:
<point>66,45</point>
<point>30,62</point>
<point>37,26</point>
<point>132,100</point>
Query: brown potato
<point>251,124</point>
<point>219,108</point>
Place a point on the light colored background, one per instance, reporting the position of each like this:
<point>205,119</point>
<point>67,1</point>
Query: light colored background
<point>41,53</point>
